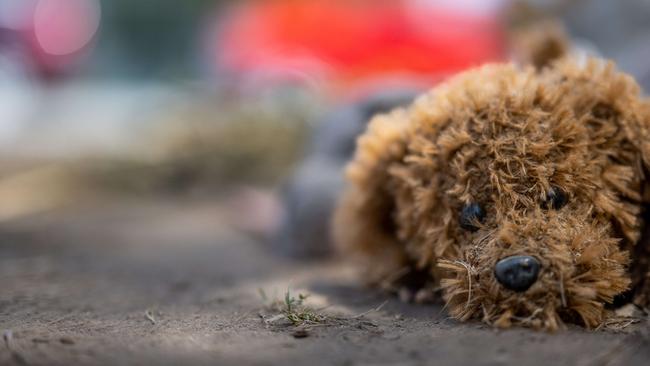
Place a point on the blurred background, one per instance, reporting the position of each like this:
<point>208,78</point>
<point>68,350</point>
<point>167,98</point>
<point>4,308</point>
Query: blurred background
<point>257,103</point>
<point>169,97</point>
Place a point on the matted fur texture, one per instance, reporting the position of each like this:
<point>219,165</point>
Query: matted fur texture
<point>502,137</point>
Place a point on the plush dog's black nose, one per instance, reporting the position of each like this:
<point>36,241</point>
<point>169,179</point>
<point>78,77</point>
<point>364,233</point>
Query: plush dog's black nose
<point>518,272</point>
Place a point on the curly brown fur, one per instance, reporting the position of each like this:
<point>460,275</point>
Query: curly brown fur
<point>503,137</point>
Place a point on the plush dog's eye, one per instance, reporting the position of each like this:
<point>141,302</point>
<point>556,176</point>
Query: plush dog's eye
<point>471,215</point>
<point>555,199</point>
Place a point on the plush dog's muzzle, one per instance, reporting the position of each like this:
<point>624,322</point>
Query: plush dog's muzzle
<point>518,272</point>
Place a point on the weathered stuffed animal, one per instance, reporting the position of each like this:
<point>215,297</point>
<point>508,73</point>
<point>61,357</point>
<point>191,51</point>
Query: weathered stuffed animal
<point>518,194</point>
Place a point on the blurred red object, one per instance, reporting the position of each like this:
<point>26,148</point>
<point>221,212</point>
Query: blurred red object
<point>350,42</point>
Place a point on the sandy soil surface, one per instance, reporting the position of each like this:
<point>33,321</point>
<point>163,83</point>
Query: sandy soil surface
<point>167,283</point>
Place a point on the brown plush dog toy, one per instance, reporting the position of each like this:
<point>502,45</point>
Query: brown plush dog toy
<point>517,193</point>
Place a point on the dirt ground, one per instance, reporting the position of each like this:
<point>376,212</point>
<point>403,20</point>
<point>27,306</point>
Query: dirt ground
<point>167,283</point>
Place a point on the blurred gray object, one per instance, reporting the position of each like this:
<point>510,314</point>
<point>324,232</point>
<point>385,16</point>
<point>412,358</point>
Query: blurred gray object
<point>619,30</point>
<point>310,195</point>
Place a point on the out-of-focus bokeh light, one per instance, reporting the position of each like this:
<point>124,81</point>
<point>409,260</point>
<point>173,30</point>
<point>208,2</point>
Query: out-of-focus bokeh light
<point>47,38</point>
<point>62,27</point>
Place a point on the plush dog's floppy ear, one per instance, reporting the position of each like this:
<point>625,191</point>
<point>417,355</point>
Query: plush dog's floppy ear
<point>618,116</point>
<point>623,105</point>
<point>639,132</point>
<point>610,105</point>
